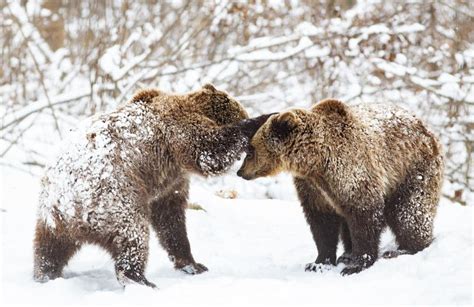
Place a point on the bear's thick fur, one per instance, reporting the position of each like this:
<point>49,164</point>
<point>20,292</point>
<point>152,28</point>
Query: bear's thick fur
<point>128,169</point>
<point>356,169</point>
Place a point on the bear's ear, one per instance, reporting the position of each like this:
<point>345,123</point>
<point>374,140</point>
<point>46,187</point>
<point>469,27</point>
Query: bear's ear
<point>284,124</point>
<point>331,106</point>
<point>209,86</point>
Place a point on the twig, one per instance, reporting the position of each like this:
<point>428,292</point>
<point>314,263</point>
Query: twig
<point>15,141</point>
<point>42,107</point>
<point>16,167</point>
<point>455,199</point>
<point>41,79</point>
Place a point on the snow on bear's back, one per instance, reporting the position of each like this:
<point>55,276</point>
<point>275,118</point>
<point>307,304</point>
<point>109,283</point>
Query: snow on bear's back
<point>379,118</point>
<point>397,140</point>
<point>93,160</point>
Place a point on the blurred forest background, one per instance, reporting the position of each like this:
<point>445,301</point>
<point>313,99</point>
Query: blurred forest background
<point>63,60</point>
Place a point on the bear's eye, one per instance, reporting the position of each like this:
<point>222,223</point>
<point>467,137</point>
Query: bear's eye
<point>250,153</point>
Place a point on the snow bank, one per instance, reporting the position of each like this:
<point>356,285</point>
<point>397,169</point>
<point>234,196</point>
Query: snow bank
<point>256,252</point>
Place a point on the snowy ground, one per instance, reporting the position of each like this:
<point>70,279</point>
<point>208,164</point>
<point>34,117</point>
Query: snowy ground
<point>255,250</point>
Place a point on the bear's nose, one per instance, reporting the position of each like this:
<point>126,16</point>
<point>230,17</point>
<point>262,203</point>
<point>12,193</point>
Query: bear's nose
<point>241,174</point>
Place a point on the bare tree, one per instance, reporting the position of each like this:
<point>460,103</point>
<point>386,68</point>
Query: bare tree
<point>62,61</point>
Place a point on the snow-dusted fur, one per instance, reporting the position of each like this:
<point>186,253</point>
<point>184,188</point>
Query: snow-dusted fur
<point>129,168</point>
<point>356,169</point>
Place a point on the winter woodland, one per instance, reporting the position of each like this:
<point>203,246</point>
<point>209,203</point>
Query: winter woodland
<point>63,61</point>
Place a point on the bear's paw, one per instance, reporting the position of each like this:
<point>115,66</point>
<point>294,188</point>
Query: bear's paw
<point>318,267</point>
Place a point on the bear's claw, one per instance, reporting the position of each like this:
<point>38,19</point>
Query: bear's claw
<point>349,270</point>
<point>195,268</point>
<point>358,263</point>
<point>395,253</point>
<point>345,258</point>
<point>318,267</point>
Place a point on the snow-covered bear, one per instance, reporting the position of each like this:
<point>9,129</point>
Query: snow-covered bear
<point>130,168</point>
<point>356,169</point>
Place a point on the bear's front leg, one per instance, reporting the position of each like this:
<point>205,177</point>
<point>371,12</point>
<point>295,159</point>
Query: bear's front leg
<point>168,218</point>
<point>347,243</point>
<point>365,227</point>
<point>324,225</point>
<point>325,229</point>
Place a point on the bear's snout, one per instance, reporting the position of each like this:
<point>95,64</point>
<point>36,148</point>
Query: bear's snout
<point>242,175</point>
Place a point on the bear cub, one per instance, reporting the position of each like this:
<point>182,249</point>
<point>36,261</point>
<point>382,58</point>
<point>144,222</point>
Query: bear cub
<point>356,169</point>
<point>130,168</point>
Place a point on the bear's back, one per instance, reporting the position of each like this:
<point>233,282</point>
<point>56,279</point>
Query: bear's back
<point>102,152</point>
<point>397,140</point>
<point>380,119</point>
<point>395,126</point>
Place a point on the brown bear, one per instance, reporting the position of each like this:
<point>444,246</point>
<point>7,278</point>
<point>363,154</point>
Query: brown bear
<point>356,169</point>
<point>130,168</point>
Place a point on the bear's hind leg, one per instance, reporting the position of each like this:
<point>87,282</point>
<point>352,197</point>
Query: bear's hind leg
<point>168,218</point>
<point>52,250</point>
<point>365,227</point>
<point>129,249</point>
<point>411,210</point>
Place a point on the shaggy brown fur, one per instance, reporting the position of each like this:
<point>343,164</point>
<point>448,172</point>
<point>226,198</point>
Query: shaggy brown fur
<point>356,169</point>
<point>130,168</point>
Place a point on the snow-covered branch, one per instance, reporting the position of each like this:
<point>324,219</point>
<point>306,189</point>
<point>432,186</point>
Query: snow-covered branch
<point>272,57</point>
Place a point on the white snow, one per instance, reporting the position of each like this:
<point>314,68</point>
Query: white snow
<point>393,68</point>
<point>262,42</point>
<point>375,29</point>
<point>416,27</point>
<point>110,61</point>
<point>267,55</point>
<point>308,29</point>
<point>256,252</point>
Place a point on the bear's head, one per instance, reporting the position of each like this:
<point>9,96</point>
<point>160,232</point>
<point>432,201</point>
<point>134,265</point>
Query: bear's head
<point>268,146</point>
<point>299,140</point>
<point>219,106</point>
